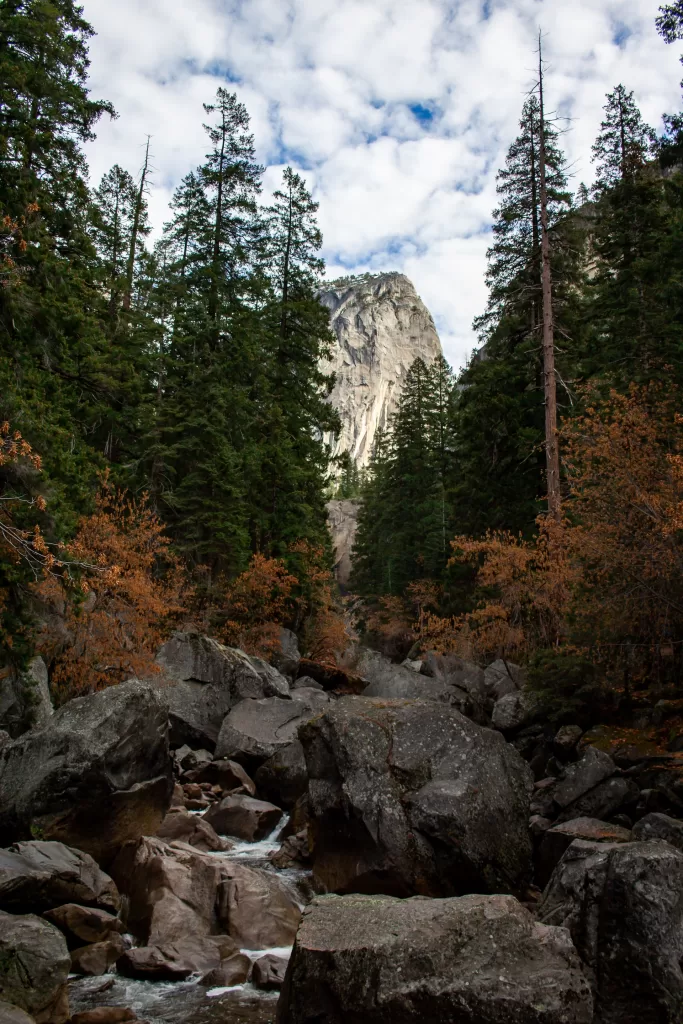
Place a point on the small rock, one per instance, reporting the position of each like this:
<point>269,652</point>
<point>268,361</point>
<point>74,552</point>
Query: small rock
<point>98,957</point>
<point>294,852</point>
<point>243,817</point>
<point>233,971</point>
<point>269,971</point>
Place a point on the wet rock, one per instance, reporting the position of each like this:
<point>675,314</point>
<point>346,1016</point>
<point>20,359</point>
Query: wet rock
<point>181,826</point>
<point>287,659</point>
<point>150,964</point>
<point>660,826</point>
<point>98,957</point>
<point>233,971</point>
<point>475,960</point>
<point>34,967</point>
<point>255,908</point>
<point>623,904</point>
<point>559,838</point>
<point>412,797</point>
<point>95,776</point>
<point>514,711</point>
<point>283,778</point>
<point>269,971</point>
<point>243,817</point>
<point>202,680</point>
<point>255,729</point>
<point>13,1014</point>
<point>603,801</point>
<point>38,876</point>
<point>105,1015</point>
<point>226,774</point>
<point>84,924</point>
<point>294,852</point>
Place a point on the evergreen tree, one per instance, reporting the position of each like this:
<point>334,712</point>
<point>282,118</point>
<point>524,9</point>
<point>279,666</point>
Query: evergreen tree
<point>624,145</point>
<point>114,205</point>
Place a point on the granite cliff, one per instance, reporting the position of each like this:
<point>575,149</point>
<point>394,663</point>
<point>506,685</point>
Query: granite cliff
<point>382,326</point>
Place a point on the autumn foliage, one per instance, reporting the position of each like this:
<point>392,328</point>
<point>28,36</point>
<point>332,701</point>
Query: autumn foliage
<point>120,611</point>
<point>608,580</point>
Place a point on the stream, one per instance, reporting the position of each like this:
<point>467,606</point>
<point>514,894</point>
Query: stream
<point>187,1002</point>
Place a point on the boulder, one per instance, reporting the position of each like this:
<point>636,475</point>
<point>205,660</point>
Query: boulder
<point>603,801</point>
<point>38,876</point>
<point>233,971</point>
<point>105,1015</point>
<point>556,840</point>
<point>13,1015</point>
<point>578,778</point>
<point>311,695</point>
<point>283,778</point>
<point>202,680</point>
<point>97,775</point>
<point>181,826</point>
<point>306,683</point>
<point>179,898</point>
<point>287,659</point>
<point>24,698</point>
<point>660,826</point>
<point>623,904</point>
<point>269,971</point>
<point>228,775</point>
<point>84,924</point>
<point>34,967</point>
<point>149,964</point>
<point>294,852</point>
<point>255,729</point>
<point>566,739</point>
<point>470,960</point>
<point>193,759</point>
<point>502,678</point>
<point>243,817</point>
<point>515,710</point>
<point>96,958</point>
<point>411,797</point>
<point>454,671</point>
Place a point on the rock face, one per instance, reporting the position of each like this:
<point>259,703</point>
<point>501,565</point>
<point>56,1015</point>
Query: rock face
<point>342,519</point>
<point>474,960</point>
<point>24,698</point>
<point>97,775</point>
<point>411,797</point>
<point>382,326</point>
<point>34,966</point>
<point>623,905</point>
<point>202,680</point>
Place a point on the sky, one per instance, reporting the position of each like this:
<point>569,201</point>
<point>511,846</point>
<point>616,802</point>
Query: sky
<point>397,112</point>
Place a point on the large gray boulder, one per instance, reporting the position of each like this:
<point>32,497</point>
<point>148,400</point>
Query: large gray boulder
<point>95,776</point>
<point>256,729</point>
<point>446,680</point>
<point>623,904</point>
<point>660,826</point>
<point>515,710</point>
<point>472,960</point>
<point>24,698</point>
<point>37,876</point>
<point>202,680</point>
<point>34,967</point>
<point>283,778</point>
<point>411,797</point>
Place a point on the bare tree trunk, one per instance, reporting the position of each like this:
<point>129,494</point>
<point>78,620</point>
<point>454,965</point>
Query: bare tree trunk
<point>137,213</point>
<point>552,453</point>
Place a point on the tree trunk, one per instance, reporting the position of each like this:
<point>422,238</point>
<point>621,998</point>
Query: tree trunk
<point>552,453</point>
<point>135,231</point>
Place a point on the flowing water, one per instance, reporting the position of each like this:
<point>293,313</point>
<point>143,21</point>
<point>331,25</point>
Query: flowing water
<point>187,1002</point>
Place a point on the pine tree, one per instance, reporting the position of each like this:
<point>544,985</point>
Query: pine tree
<point>624,145</point>
<point>113,211</point>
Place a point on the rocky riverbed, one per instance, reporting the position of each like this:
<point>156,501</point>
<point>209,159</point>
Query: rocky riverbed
<point>238,841</point>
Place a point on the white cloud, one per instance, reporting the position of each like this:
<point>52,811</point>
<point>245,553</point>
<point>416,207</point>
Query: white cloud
<point>333,86</point>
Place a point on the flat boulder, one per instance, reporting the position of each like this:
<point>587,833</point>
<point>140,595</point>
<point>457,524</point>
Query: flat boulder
<point>202,680</point>
<point>34,967</point>
<point>243,817</point>
<point>38,876</point>
<point>473,959</point>
<point>147,963</point>
<point>283,778</point>
<point>411,797</point>
<point>559,838</point>
<point>255,729</point>
<point>97,775</point>
<point>623,905</point>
